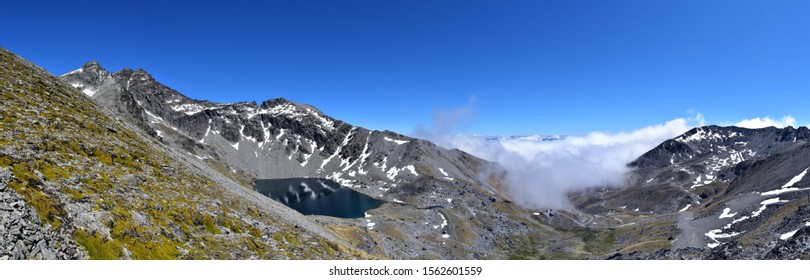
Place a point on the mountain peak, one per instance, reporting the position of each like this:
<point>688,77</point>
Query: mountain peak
<point>269,103</point>
<point>91,64</point>
<point>91,68</point>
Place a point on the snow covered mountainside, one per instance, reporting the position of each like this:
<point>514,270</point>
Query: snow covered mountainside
<point>275,139</point>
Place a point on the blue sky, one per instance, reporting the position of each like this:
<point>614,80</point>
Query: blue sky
<point>516,67</point>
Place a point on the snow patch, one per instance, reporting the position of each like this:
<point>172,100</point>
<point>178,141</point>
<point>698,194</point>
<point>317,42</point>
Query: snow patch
<point>80,70</point>
<point>772,201</point>
<point>787,187</point>
<point>337,151</point>
<point>717,234</point>
<point>155,118</point>
<point>89,92</point>
<point>188,108</point>
<point>785,190</point>
<point>306,159</point>
<point>394,172</point>
<point>765,204</point>
<point>788,235</point>
<point>686,208</point>
<point>202,140</point>
<point>399,142</point>
<point>795,179</point>
<point>290,111</point>
<point>726,213</point>
<point>444,221</point>
<point>412,170</point>
<point>363,156</point>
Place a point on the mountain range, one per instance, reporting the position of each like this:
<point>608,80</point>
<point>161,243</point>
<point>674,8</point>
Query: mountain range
<point>115,165</point>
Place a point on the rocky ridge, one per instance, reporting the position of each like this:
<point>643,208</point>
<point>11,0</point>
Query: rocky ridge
<point>275,139</point>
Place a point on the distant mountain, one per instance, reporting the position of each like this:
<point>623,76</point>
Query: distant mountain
<point>730,192</point>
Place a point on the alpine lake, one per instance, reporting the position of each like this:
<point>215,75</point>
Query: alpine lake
<point>316,196</point>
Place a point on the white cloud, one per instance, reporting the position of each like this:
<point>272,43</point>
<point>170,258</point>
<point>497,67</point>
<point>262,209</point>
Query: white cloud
<point>766,122</point>
<point>541,173</point>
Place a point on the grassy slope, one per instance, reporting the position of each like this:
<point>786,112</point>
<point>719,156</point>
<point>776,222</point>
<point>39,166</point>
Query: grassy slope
<point>69,160</point>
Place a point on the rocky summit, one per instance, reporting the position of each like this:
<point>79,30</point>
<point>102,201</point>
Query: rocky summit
<point>115,165</point>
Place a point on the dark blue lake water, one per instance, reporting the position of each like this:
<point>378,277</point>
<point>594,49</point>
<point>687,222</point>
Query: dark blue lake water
<point>313,196</point>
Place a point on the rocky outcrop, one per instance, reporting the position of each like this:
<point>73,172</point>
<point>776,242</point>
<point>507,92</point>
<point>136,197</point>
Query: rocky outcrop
<point>23,235</point>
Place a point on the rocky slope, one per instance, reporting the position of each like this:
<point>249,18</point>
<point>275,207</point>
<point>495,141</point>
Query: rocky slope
<point>724,192</point>
<point>78,183</point>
